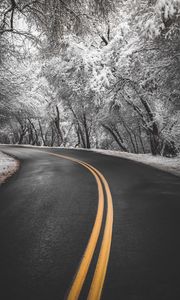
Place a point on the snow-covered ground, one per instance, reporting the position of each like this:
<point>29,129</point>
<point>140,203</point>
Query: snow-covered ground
<point>8,166</point>
<point>171,165</point>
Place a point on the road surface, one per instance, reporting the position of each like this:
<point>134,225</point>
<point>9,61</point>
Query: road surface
<point>48,211</point>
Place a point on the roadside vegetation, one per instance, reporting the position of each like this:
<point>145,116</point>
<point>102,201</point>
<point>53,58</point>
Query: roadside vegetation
<point>91,74</point>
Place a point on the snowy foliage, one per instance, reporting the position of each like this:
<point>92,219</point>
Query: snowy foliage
<point>106,79</point>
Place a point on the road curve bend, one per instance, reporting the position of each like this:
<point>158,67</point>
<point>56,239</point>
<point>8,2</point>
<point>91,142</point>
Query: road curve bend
<point>56,221</point>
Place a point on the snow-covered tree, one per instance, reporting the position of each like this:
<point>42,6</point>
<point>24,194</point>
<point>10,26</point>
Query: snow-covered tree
<point>100,73</point>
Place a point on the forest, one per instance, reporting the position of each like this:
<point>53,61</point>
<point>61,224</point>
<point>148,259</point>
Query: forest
<point>91,74</point>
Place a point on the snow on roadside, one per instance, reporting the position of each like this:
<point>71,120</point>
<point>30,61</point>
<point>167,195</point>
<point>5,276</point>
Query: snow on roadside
<point>8,166</point>
<point>171,165</point>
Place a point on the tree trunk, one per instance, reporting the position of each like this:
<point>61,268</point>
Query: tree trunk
<point>41,132</point>
<point>34,141</point>
<point>140,138</point>
<point>86,132</point>
<point>57,124</point>
<point>120,144</point>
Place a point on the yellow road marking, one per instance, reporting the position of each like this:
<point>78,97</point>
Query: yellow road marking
<point>101,266</point>
<point>102,263</point>
<point>88,254</point>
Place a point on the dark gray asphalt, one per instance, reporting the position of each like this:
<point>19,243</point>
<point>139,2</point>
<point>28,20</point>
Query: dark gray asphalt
<point>47,210</point>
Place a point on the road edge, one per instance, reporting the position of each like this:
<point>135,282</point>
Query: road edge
<point>155,165</point>
<point>11,168</point>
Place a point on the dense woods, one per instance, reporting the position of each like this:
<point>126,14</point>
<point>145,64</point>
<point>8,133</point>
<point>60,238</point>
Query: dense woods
<point>101,74</point>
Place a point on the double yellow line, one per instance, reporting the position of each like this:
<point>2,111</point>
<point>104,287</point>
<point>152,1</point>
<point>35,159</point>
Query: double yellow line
<point>102,262</point>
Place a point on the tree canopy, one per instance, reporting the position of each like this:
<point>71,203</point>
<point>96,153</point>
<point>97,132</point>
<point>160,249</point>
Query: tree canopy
<point>91,74</point>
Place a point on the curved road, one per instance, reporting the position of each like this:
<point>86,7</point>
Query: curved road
<point>47,214</point>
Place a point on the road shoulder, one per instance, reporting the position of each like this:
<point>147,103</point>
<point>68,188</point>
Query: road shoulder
<point>8,166</point>
<point>170,165</point>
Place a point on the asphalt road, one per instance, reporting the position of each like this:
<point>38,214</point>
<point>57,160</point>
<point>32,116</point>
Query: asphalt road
<point>47,212</point>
